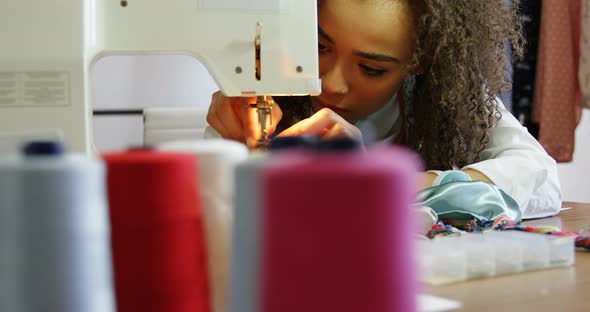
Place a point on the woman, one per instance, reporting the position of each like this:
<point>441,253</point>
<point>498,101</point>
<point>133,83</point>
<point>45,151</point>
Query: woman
<point>425,74</point>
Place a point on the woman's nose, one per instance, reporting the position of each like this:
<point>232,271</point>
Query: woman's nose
<point>334,81</point>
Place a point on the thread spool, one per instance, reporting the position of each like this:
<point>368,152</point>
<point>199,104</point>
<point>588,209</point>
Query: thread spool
<point>157,232</point>
<point>248,230</point>
<point>217,159</point>
<point>54,233</point>
<point>246,234</point>
<point>294,142</point>
<point>338,232</point>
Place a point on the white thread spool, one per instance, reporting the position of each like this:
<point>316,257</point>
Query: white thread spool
<point>216,160</point>
<point>54,235</point>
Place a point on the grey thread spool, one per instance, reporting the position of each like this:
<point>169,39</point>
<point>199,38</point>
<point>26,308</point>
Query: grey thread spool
<point>245,255</point>
<point>54,233</point>
<point>247,236</point>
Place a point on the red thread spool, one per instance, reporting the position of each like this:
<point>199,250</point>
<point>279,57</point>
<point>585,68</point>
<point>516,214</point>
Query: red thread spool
<point>157,232</point>
<point>338,232</point>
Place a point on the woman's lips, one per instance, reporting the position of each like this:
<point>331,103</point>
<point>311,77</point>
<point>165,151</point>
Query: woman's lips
<point>319,104</point>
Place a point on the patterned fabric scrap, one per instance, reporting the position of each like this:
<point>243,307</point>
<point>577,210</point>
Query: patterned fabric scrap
<point>441,229</point>
<point>582,237</point>
<point>449,227</point>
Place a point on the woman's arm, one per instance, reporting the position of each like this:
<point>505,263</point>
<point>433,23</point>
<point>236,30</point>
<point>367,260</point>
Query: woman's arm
<point>427,178</point>
<point>518,164</point>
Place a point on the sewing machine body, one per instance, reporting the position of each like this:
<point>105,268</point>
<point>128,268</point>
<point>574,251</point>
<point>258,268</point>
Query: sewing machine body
<point>49,47</point>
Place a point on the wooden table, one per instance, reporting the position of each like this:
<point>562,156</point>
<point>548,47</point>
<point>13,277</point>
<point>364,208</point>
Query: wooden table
<point>563,289</point>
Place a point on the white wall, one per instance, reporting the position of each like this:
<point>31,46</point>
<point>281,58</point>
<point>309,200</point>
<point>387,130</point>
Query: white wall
<point>138,82</point>
<point>574,175</point>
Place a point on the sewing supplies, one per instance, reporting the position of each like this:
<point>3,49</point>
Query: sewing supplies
<point>217,160</point>
<point>54,232</point>
<point>246,238</point>
<point>158,238</point>
<point>448,259</point>
<point>330,237</point>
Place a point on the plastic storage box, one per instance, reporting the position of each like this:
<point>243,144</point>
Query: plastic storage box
<point>451,259</point>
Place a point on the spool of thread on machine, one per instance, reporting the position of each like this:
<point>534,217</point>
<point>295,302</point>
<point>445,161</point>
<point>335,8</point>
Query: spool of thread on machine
<point>54,233</point>
<point>338,231</point>
<point>157,232</point>
<point>217,160</point>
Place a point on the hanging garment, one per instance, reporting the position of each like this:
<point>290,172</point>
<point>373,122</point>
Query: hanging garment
<point>557,93</point>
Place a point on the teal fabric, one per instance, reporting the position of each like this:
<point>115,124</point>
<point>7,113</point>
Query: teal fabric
<point>464,201</point>
<point>453,176</point>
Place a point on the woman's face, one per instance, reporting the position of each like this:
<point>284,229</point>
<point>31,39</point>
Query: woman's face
<point>364,49</point>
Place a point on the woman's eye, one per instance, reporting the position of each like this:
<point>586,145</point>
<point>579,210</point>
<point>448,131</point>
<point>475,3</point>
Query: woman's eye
<point>321,47</point>
<point>372,71</point>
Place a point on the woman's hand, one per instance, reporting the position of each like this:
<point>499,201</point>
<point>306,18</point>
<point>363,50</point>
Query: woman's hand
<point>326,124</point>
<point>231,117</point>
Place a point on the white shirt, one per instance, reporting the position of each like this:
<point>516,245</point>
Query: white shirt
<point>513,160</point>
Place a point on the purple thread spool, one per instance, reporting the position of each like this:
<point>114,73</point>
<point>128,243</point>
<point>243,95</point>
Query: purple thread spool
<point>338,232</point>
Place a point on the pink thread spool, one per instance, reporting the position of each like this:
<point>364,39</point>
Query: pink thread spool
<point>338,232</point>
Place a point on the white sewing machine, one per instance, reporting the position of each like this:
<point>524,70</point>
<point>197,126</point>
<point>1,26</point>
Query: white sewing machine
<point>48,47</point>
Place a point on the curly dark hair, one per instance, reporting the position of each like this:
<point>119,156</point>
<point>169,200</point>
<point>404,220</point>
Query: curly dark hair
<point>464,44</point>
<point>461,65</point>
